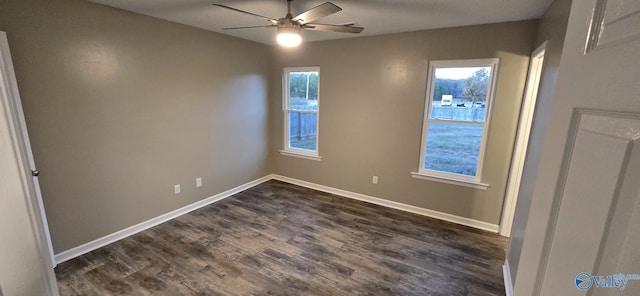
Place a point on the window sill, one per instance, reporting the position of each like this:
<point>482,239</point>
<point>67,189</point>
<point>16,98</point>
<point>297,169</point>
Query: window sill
<point>300,155</point>
<point>476,185</point>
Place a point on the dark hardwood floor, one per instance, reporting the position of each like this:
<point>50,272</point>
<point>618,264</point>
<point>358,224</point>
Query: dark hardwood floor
<point>282,239</point>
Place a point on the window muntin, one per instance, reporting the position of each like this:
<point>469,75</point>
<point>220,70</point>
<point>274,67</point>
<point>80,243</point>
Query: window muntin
<point>301,110</point>
<point>457,116</point>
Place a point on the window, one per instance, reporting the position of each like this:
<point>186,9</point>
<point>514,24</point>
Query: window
<point>456,120</point>
<point>301,109</point>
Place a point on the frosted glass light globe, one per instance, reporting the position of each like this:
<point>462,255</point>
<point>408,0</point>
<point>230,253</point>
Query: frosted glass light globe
<point>289,37</point>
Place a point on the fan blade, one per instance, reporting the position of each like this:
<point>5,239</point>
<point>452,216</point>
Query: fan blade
<point>333,28</point>
<point>250,27</point>
<point>275,21</point>
<point>320,11</point>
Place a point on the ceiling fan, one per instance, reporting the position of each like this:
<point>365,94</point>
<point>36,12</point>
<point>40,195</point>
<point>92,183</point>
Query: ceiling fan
<point>290,27</point>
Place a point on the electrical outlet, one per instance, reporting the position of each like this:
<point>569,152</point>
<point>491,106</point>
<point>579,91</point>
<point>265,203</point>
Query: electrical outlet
<point>375,180</point>
<point>199,182</point>
<point>176,189</point>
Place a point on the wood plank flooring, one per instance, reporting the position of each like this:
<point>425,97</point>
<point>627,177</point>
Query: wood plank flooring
<point>281,239</point>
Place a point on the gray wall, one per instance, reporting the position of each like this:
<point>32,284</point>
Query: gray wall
<point>552,28</point>
<point>120,107</point>
<point>372,96</point>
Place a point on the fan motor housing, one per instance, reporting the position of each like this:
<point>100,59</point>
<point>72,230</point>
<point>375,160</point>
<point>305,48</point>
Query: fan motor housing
<point>284,23</point>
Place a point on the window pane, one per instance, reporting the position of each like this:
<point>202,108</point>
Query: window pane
<point>453,147</point>
<point>302,130</point>
<point>303,91</point>
<point>460,93</point>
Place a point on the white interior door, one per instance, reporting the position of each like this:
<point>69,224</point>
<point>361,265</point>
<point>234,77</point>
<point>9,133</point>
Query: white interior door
<point>522,139</point>
<point>25,248</point>
<point>593,140</point>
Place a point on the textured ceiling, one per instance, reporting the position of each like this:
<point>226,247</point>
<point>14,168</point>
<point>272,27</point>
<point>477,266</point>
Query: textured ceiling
<point>376,16</point>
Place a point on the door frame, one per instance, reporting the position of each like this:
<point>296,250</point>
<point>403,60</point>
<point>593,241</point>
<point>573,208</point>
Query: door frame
<point>10,97</point>
<point>527,112</point>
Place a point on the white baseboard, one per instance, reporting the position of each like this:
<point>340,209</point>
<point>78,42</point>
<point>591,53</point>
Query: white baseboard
<point>108,239</point>
<point>111,238</point>
<point>508,284</point>
<point>392,204</point>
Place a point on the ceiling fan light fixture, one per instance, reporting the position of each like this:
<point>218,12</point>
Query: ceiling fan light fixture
<point>289,37</point>
<point>290,27</point>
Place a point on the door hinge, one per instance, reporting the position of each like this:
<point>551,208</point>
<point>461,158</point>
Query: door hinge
<point>35,173</point>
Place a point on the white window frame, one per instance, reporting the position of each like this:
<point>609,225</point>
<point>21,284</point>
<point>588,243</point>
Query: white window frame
<point>303,153</point>
<point>452,178</point>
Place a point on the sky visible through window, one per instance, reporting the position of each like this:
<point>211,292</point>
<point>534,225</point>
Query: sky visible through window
<point>456,73</point>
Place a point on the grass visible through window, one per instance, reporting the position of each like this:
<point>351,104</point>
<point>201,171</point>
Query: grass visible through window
<point>453,147</point>
<point>308,143</point>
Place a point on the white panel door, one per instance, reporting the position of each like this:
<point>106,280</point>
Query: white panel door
<point>591,162</point>
<point>26,266</point>
<point>594,233</point>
